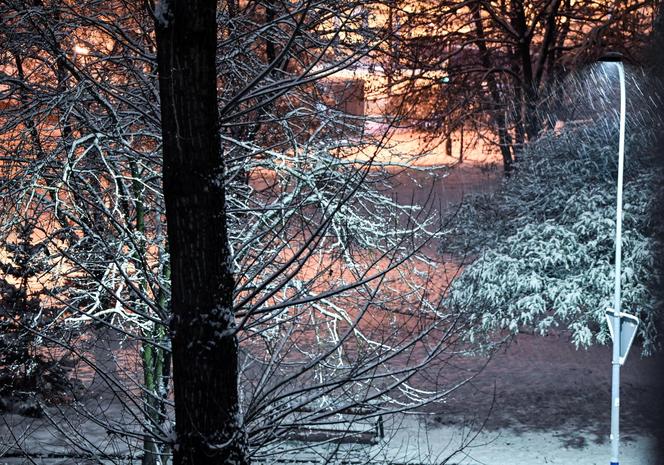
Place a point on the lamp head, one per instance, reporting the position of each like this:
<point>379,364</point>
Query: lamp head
<point>611,57</point>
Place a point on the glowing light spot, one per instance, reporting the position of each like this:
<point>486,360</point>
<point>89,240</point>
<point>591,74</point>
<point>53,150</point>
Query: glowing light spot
<point>81,50</point>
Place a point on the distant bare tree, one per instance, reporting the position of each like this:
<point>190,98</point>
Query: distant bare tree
<point>488,64</point>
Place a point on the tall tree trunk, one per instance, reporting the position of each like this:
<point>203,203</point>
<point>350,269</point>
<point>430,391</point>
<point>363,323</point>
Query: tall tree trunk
<point>498,112</point>
<point>527,77</point>
<point>209,425</point>
<point>461,144</point>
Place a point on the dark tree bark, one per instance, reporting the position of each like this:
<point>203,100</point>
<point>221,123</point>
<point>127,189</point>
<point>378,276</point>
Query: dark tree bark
<point>498,116</point>
<point>208,420</point>
<point>523,57</point>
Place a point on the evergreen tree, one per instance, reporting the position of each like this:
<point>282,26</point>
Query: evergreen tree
<point>24,312</point>
<point>545,242</point>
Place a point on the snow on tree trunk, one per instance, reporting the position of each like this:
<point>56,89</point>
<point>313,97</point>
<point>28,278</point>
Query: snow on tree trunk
<point>208,421</point>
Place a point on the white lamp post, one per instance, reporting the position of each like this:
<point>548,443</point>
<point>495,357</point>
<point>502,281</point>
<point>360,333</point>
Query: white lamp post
<point>620,324</point>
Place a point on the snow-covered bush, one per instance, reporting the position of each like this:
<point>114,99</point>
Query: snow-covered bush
<point>545,242</point>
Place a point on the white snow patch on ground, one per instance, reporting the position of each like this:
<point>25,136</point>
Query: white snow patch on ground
<point>414,444</point>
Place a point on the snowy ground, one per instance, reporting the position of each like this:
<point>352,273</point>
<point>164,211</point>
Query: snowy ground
<point>551,406</point>
<point>507,447</point>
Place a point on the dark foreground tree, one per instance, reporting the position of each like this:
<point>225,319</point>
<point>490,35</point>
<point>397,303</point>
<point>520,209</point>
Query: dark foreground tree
<point>205,348</point>
<point>337,317</point>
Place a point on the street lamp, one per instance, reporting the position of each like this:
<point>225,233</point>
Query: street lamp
<point>622,325</point>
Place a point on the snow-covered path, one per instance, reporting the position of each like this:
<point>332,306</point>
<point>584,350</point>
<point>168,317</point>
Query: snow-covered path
<point>551,406</point>
<point>506,447</point>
